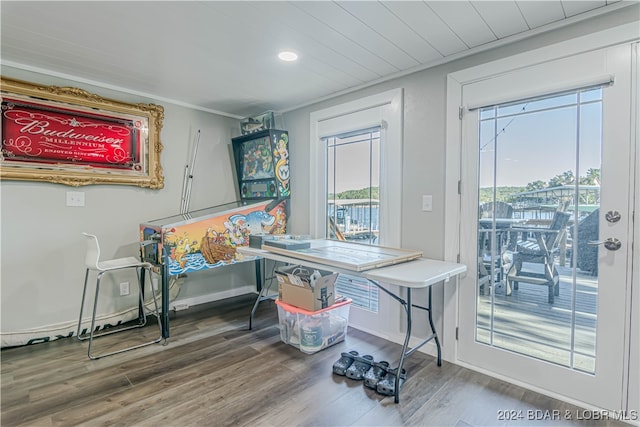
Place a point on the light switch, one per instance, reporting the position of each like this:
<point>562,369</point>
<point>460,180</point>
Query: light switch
<point>75,198</point>
<point>427,203</point>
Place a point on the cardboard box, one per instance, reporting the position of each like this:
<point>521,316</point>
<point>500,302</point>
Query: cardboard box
<point>294,287</point>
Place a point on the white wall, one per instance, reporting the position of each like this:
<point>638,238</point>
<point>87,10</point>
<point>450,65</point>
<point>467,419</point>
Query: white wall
<point>423,170</point>
<point>43,250</point>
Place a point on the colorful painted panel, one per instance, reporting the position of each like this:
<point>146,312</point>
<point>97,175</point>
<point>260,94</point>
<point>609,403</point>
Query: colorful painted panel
<point>212,241</point>
<point>281,155</point>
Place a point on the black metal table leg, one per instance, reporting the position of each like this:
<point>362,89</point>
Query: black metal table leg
<point>407,305</point>
<point>260,288</point>
<point>165,295</point>
<point>406,351</point>
<point>141,276</point>
<point>433,330</point>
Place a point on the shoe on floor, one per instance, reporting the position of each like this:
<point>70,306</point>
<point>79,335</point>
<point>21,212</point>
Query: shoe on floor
<point>346,359</point>
<point>377,371</point>
<point>387,385</point>
<point>359,367</point>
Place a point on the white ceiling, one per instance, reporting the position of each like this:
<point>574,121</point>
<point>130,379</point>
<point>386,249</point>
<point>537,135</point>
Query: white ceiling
<point>222,56</point>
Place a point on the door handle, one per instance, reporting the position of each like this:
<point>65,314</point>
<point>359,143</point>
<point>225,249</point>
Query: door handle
<point>611,243</point>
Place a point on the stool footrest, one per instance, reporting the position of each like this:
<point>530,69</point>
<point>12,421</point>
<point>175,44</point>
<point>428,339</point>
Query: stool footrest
<point>91,334</point>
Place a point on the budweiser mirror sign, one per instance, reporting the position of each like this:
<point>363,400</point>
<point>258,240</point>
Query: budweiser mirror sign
<point>76,138</point>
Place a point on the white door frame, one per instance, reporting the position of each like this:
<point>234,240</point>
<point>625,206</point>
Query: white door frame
<point>623,34</point>
<point>633,371</point>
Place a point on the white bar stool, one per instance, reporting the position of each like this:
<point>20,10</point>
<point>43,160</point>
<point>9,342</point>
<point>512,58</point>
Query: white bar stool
<point>93,263</point>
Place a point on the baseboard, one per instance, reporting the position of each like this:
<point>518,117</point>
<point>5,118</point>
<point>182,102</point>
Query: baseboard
<point>183,304</point>
<point>429,348</point>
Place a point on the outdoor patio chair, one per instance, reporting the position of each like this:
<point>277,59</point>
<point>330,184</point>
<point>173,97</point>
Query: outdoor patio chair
<point>587,256</point>
<point>498,210</point>
<point>501,209</point>
<point>538,246</point>
<point>483,278</point>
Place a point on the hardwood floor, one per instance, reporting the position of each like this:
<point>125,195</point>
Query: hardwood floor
<point>215,372</point>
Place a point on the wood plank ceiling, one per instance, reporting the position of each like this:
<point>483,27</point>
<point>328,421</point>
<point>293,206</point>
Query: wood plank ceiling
<point>220,56</point>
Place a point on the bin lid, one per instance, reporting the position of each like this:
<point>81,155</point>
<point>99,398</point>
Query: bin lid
<point>293,309</point>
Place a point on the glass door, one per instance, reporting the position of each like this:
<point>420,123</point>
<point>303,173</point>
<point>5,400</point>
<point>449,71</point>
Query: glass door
<point>548,303</point>
<point>539,206</point>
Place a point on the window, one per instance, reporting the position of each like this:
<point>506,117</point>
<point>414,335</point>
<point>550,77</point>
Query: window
<point>353,184</point>
<point>366,133</point>
<point>539,162</point>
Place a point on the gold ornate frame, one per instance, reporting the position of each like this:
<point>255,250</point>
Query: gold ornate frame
<point>148,171</point>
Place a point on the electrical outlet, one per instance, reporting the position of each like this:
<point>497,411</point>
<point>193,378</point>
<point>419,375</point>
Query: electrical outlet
<point>124,289</point>
<point>75,198</point>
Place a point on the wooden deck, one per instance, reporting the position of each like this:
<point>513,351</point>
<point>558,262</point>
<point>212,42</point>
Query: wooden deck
<point>526,323</point>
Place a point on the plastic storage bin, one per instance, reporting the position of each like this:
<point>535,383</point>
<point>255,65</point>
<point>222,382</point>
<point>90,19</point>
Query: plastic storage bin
<point>311,331</point>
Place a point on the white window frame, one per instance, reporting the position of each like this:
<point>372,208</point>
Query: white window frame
<point>383,109</point>
<point>386,110</point>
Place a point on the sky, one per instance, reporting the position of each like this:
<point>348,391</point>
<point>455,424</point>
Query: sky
<point>542,144</point>
<point>352,166</point>
<point>537,145</point>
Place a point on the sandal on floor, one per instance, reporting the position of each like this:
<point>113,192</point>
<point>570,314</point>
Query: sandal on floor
<point>376,373</point>
<point>341,365</point>
<point>387,385</point>
<point>359,367</point>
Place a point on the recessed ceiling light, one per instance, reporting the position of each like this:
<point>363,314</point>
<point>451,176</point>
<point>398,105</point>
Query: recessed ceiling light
<point>288,56</point>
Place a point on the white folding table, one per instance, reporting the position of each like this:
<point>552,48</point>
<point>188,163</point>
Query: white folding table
<point>413,274</point>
